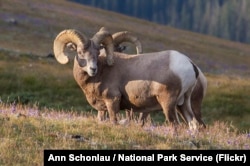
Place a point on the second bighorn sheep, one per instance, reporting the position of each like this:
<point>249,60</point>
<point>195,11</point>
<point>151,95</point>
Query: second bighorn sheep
<point>144,82</point>
<point>197,95</point>
<point>118,39</point>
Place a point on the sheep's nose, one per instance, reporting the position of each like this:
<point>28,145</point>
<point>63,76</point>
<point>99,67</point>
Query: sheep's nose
<point>93,69</point>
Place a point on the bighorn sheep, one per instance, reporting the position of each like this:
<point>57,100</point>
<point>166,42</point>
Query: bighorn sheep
<point>118,39</point>
<point>144,82</point>
<point>196,96</point>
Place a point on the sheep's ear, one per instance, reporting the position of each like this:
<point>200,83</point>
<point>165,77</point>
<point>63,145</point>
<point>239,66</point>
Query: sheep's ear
<point>101,46</point>
<point>103,37</point>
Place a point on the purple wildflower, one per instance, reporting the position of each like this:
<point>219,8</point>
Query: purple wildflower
<point>246,146</point>
<point>248,135</point>
<point>33,112</point>
<point>150,128</point>
<point>13,108</point>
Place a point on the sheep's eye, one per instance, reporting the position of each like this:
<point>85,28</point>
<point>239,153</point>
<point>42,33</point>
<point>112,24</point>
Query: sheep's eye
<point>80,53</point>
<point>81,62</point>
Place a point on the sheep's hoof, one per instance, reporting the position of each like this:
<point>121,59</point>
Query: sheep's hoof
<point>193,125</point>
<point>114,122</point>
<point>124,122</point>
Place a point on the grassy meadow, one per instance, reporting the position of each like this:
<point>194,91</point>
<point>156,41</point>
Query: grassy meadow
<point>42,107</point>
<point>27,131</point>
<point>42,81</point>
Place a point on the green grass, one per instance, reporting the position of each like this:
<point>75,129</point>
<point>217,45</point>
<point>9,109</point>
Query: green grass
<point>27,80</point>
<point>227,99</point>
<point>30,80</point>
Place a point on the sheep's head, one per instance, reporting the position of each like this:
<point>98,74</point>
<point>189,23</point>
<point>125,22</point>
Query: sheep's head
<point>87,50</point>
<point>126,36</point>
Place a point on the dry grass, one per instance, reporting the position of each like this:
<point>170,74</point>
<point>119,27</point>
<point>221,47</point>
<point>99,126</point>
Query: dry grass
<point>27,131</point>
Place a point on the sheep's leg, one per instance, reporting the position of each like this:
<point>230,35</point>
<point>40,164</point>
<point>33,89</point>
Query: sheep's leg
<point>180,109</point>
<point>187,111</point>
<point>196,106</point>
<point>196,102</point>
<point>185,115</point>
<point>142,118</point>
<point>113,106</point>
<point>170,114</point>
<point>168,105</point>
<point>128,118</point>
<point>129,114</point>
<point>101,115</point>
<point>180,113</point>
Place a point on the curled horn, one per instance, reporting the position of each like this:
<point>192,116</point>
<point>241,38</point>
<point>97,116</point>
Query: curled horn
<point>105,38</point>
<point>126,36</point>
<point>64,38</point>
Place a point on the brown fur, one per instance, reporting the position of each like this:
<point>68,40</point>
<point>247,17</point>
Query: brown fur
<point>196,100</point>
<point>196,103</point>
<point>142,87</point>
<point>197,94</point>
<point>142,82</point>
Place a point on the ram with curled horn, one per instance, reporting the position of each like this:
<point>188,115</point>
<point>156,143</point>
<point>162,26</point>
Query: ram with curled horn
<point>144,82</point>
<point>79,42</point>
<point>118,39</point>
<point>197,95</point>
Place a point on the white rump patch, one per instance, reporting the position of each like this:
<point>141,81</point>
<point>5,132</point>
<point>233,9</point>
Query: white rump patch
<point>182,67</point>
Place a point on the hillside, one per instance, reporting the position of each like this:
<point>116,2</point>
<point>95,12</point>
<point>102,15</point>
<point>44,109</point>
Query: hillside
<point>28,29</point>
<point>42,107</point>
<point>221,18</point>
<point>31,25</point>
